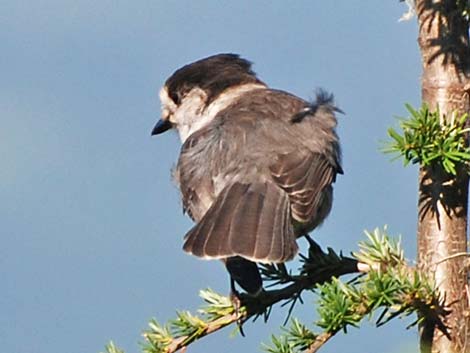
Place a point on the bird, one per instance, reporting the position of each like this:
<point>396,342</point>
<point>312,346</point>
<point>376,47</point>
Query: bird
<point>256,167</point>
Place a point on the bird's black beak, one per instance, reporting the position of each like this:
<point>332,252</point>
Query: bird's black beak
<point>162,126</point>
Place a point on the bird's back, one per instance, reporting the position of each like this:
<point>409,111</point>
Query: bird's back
<point>258,176</point>
<point>250,141</point>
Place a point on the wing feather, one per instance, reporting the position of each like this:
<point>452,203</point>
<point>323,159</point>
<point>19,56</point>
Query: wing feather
<point>304,177</point>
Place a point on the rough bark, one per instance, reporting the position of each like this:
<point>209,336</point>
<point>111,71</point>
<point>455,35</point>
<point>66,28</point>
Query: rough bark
<point>442,224</point>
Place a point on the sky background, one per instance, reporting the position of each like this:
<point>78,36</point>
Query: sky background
<point>90,222</point>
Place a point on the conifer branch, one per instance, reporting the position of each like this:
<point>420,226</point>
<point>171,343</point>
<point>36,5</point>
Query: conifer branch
<point>221,312</point>
<point>389,285</point>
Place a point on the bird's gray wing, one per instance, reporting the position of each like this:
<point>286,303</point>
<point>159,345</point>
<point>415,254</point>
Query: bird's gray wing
<point>310,159</point>
<point>307,179</point>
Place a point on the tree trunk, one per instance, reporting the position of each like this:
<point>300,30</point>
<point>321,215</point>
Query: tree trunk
<point>442,224</point>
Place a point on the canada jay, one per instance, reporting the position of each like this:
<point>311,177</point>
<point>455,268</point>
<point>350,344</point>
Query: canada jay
<point>256,167</point>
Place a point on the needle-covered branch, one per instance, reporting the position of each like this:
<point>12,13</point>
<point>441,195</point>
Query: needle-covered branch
<point>429,139</point>
<point>219,312</point>
<point>389,285</point>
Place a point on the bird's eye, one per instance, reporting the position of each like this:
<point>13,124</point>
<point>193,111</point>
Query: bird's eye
<point>175,98</point>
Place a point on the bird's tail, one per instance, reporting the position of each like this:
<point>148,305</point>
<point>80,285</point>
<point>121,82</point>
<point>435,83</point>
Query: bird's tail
<point>251,221</point>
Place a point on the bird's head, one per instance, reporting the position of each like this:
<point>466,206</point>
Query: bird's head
<point>195,93</point>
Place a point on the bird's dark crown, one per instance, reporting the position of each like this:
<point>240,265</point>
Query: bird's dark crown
<point>213,75</point>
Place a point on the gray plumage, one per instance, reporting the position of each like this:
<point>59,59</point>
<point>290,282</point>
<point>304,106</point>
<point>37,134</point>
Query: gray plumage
<point>258,174</point>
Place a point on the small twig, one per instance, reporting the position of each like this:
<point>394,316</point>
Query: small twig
<point>364,268</point>
<point>320,341</point>
<point>453,256</point>
<point>181,343</point>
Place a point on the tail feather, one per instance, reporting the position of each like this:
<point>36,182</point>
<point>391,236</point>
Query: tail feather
<point>247,220</point>
<point>267,225</point>
<point>212,247</point>
<point>244,223</point>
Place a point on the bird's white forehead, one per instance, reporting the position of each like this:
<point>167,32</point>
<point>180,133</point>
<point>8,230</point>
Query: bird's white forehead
<point>166,101</point>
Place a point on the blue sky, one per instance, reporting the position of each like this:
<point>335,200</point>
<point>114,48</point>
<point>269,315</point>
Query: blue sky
<point>91,223</point>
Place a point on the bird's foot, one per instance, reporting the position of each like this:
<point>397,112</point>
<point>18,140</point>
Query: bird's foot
<point>236,299</point>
